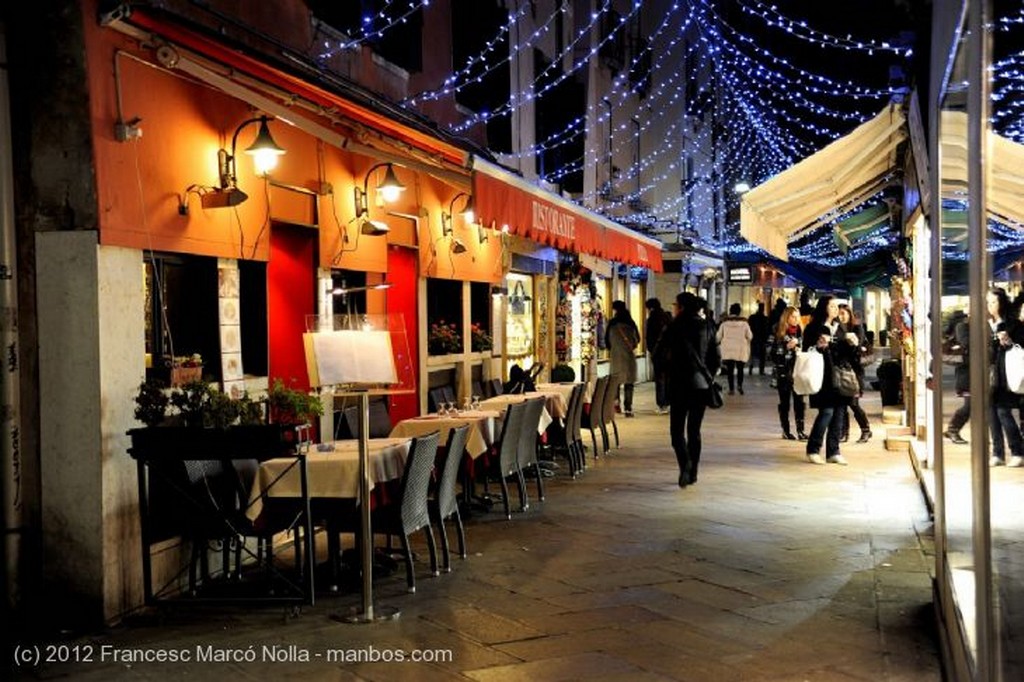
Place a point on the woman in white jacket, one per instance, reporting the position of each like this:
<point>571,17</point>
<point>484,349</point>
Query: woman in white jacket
<point>734,337</point>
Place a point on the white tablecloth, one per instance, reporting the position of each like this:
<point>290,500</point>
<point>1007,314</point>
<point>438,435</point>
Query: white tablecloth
<point>333,474</point>
<point>500,402</point>
<point>481,428</point>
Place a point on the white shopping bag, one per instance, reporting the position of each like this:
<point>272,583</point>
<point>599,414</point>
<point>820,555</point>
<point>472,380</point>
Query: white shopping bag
<point>1015,369</point>
<point>808,372</point>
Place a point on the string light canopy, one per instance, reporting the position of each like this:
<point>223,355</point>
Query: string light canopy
<point>775,110</point>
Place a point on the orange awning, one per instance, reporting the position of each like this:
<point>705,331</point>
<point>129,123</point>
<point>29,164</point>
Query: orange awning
<point>253,67</point>
<point>502,198</point>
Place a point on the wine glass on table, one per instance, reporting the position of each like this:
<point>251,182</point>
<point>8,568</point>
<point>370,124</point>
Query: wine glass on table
<point>476,403</point>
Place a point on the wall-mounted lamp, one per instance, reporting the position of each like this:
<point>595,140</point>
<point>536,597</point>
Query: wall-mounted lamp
<point>389,190</point>
<point>741,187</point>
<point>342,290</point>
<point>264,152</point>
<point>468,215</point>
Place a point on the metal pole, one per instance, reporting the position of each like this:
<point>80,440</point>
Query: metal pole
<point>10,381</point>
<point>364,502</point>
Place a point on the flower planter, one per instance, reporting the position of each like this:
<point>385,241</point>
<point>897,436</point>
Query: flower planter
<point>257,441</point>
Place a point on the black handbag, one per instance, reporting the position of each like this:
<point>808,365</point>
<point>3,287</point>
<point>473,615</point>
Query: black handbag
<point>844,380</point>
<point>715,397</point>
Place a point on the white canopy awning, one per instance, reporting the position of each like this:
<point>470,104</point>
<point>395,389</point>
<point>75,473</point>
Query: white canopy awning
<point>1004,159</point>
<point>838,178</point>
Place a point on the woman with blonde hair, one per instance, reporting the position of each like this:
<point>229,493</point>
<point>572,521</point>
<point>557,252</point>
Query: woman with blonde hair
<point>786,339</point>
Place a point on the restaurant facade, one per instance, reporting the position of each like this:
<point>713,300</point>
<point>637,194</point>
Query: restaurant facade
<point>148,241</point>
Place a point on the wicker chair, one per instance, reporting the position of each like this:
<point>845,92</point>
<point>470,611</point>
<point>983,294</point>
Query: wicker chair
<point>507,462</point>
<point>564,438</point>
<point>595,418</point>
<point>526,454</point>
<point>443,501</point>
<point>380,420</point>
<point>412,513</point>
<point>608,409</point>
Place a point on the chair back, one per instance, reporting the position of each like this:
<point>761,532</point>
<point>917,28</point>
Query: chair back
<point>435,398</point>
<point>610,395</point>
<point>449,394</point>
<point>416,482</point>
<point>477,389</point>
<point>508,447</point>
<point>380,420</point>
<point>597,402</point>
<point>446,502</point>
<point>574,414</point>
<point>496,387</point>
<point>527,452</point>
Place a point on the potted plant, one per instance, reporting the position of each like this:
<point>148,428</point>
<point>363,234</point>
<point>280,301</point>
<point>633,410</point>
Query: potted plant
<point>443,338</point>
<point>480,340</point>
<point>151,402</point>
<point>292,406</point>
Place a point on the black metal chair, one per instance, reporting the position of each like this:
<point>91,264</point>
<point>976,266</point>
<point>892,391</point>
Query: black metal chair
<point>526,455</point>
<point>443,501</point>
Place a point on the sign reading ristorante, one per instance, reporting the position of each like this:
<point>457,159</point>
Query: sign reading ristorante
<point>550,219</point>
<point>504,201</point>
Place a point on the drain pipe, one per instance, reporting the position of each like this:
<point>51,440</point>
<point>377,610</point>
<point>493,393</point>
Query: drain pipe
<point>10,385</point>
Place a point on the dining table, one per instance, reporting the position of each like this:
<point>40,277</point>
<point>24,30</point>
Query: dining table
<point>483,427</point>
<point>554,405</point>
<point>563,389</point>
<point>333,471</point>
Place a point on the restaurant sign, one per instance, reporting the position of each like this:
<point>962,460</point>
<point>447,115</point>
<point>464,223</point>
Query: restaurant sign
<point>505,200</point>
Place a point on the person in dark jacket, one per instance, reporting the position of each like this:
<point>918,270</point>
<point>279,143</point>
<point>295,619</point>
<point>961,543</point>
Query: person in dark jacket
<point>658,320</point>
<point>961,381</point>
<point>519,381</point>
<point>785,344</point>
<point>1006,331</point>
<point>821,334</point>
<point>849,324</point>
<point>622,336</point>
<point>688,338</point>
<point>758,323</point>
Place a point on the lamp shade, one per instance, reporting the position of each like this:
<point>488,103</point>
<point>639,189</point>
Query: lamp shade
<point>468,214</point>
<point>264,150</point>
<point>391,187</point>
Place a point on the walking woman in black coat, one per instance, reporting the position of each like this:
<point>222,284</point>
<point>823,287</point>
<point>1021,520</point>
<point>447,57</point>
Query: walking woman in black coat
<point>688,337</point>
<point>821,334</point>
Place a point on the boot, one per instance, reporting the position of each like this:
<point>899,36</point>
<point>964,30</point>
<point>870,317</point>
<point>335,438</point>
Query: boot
<point>784,421</point>
<point>800,435</point>
<point>865,435</point>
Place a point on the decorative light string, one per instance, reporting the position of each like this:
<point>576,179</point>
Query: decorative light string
<point>799,29</point>
<point>369,31</point>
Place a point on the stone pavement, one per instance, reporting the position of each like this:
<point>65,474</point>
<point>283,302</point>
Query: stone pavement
<point>769,568</point>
